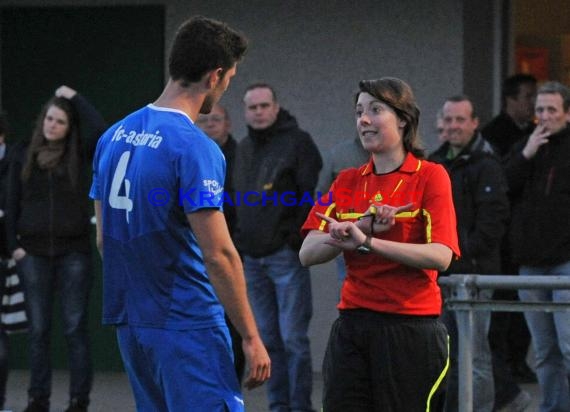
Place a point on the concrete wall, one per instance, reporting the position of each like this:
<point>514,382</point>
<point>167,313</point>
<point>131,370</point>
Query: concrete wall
<point>314,53</point>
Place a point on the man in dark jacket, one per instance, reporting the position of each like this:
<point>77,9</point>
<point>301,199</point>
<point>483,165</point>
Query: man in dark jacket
<point>277,167</point>
<point>509,335</point>
<point>217,126</point>
<point>481,205</point>
<point>538,171</point>
<point>515,122</point>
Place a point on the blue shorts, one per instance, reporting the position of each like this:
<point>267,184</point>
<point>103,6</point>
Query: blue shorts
<point>172,370</point>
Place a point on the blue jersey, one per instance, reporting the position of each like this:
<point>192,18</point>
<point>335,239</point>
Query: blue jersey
<point>149,171</point>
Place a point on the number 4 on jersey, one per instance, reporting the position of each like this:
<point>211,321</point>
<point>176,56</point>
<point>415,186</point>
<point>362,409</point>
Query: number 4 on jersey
<point>117,201</point>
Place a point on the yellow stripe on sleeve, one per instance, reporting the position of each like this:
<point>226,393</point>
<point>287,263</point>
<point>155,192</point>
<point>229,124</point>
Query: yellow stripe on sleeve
<point>327,213</point>
<point>427,215</point>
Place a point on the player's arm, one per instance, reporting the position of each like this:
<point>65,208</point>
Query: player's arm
<point>99,226</point>
<point>226,275</point>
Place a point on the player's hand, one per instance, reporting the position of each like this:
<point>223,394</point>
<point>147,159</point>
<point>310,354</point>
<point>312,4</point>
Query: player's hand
<point>258,362</point>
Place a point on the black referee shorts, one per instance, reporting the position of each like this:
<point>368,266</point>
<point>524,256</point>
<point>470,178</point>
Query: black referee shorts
<point>378,362</point>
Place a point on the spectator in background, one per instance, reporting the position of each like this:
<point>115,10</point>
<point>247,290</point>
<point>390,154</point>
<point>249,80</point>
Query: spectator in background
<point>48,233</point>
<point>343,155</point>
<point>509,335</point>
<point>4,254</point>
<point>440,127</point>
<point>277,160</point>
<point>538,172</point>
<point>516,120</point>
<point>482,208</point>
<point>5,150</point>
<point>217,126</point>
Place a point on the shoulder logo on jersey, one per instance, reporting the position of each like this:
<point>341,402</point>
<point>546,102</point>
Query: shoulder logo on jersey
<point>213,186</point>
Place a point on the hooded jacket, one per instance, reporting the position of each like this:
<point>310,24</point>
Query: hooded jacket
<point>540,229</point>
<point>481,205</point>
<point>275,176</point>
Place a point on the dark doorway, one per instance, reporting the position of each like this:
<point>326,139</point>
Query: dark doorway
<point>114,56</point>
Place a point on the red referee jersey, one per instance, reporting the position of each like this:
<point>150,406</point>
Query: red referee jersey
<point>374,282</point>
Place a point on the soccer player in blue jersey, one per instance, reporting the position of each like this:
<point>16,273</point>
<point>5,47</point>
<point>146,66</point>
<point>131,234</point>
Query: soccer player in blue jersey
<point>168,259</point>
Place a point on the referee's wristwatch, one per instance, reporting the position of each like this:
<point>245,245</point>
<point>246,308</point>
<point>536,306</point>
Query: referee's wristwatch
<point>366,247</point>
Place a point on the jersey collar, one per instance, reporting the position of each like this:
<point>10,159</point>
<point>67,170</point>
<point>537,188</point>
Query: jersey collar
<point>411,165</point>
<point>169,109</point>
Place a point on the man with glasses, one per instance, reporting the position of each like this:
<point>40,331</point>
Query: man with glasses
<point>217,125</point>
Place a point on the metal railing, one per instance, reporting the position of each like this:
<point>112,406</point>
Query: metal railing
<point>463,298</point>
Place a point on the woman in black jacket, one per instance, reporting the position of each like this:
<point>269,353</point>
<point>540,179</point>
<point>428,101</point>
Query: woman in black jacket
<point>48,234</point>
